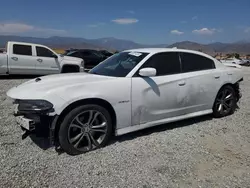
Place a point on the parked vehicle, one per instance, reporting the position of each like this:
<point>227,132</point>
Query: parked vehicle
<point>129,91</point>
<point>91,57</point>
<point>106,53</point>
<point>35,59</point>
<point>242,62</point>
<point>245,62</point>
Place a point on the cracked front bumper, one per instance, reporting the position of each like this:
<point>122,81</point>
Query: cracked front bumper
<point>38,124</point>
<point>25,123</point>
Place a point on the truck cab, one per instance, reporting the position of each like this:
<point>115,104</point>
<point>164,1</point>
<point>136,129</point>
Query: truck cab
<point>35,59</point>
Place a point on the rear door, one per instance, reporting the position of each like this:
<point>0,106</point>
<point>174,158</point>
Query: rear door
<point>202,81</point>
<point>162,96</point>
<point>21,59</point>
<point>46,63</point>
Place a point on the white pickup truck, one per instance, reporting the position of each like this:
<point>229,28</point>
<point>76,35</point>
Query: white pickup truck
<point>34,59</point>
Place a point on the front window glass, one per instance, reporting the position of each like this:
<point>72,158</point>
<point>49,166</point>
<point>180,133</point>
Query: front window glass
<point>165,63</point>
<point>119,65</point>
<point>44,52</point>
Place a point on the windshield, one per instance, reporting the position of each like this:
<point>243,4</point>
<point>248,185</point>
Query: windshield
<point>119,65</point>
<point>99,54</point>
<point>68,53</point>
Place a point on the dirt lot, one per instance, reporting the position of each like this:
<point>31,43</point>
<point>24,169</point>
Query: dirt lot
<point>200,152</point>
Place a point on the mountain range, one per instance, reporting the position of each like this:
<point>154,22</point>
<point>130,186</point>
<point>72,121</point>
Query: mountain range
<point>242,47</point>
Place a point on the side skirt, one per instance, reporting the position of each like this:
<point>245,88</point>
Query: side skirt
<point>160,122</point>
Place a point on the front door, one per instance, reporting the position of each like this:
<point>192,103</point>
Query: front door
<point>162,96</point>
<point>46,63</point>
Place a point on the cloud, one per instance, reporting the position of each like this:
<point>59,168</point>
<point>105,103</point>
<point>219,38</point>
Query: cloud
<point>125,21</point>
<point>183,22</point>
<point>176,32</point>
<point>247,30</point>
<point>50,31</point>
<point>206,31</point>
<point>96,25</point>
<point>195,18</point>
<point>131,12</point>
<point>17,28</point>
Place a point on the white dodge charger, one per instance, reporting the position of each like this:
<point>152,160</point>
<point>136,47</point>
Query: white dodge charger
<point>129,91</point>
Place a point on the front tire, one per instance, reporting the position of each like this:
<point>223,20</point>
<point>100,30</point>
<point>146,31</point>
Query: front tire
<point>225,102</point>
<point>85,128</point>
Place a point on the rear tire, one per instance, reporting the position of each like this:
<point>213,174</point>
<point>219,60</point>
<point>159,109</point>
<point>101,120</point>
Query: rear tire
<point>225,102</point>
<point>84,129</point>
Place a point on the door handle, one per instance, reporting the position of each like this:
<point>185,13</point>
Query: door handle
<point>216,77</point>
<point>230,73</point>
<point>14,58</point>
<point>182,83</point>
<point>40,60</point>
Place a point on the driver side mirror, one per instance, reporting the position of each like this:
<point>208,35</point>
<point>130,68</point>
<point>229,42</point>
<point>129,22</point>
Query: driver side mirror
<point>147,72</point>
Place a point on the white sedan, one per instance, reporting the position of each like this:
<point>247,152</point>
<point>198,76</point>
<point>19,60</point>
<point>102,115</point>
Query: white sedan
<point>129,91</point>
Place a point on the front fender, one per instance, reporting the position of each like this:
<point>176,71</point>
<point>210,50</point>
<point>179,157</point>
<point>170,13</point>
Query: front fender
<point>73,99</point>
<point>117,95</point>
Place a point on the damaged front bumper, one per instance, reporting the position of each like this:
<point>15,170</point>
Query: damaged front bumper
<point>40,123</point>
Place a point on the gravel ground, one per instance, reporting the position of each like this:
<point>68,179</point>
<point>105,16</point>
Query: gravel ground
<point>200,152</point>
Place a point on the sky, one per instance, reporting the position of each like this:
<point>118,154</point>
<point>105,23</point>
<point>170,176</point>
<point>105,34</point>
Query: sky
<point>147,22</point>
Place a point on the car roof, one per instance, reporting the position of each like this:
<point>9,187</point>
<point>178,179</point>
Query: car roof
<point>174,49</point>
<point>157,50</point>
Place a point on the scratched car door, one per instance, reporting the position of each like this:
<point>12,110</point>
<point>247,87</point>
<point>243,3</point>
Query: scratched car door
<point>203,81</point>
<point>159,97</point>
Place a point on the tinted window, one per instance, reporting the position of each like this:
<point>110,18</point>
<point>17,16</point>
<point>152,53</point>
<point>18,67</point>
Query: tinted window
<point>22,49</point>
<point>192,62</point>
<point>119,65</point>
<point>164,63</point>
<point>43,52</point>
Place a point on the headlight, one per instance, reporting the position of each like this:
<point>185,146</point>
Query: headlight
<point>34,105</point>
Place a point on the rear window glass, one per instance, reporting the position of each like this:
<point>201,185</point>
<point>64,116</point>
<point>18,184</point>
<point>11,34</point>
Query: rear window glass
<point>22,49</point>
<point>193,62</point>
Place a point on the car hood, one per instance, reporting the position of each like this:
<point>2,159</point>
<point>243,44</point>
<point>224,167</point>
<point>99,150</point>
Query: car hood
<point>54,84</point>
